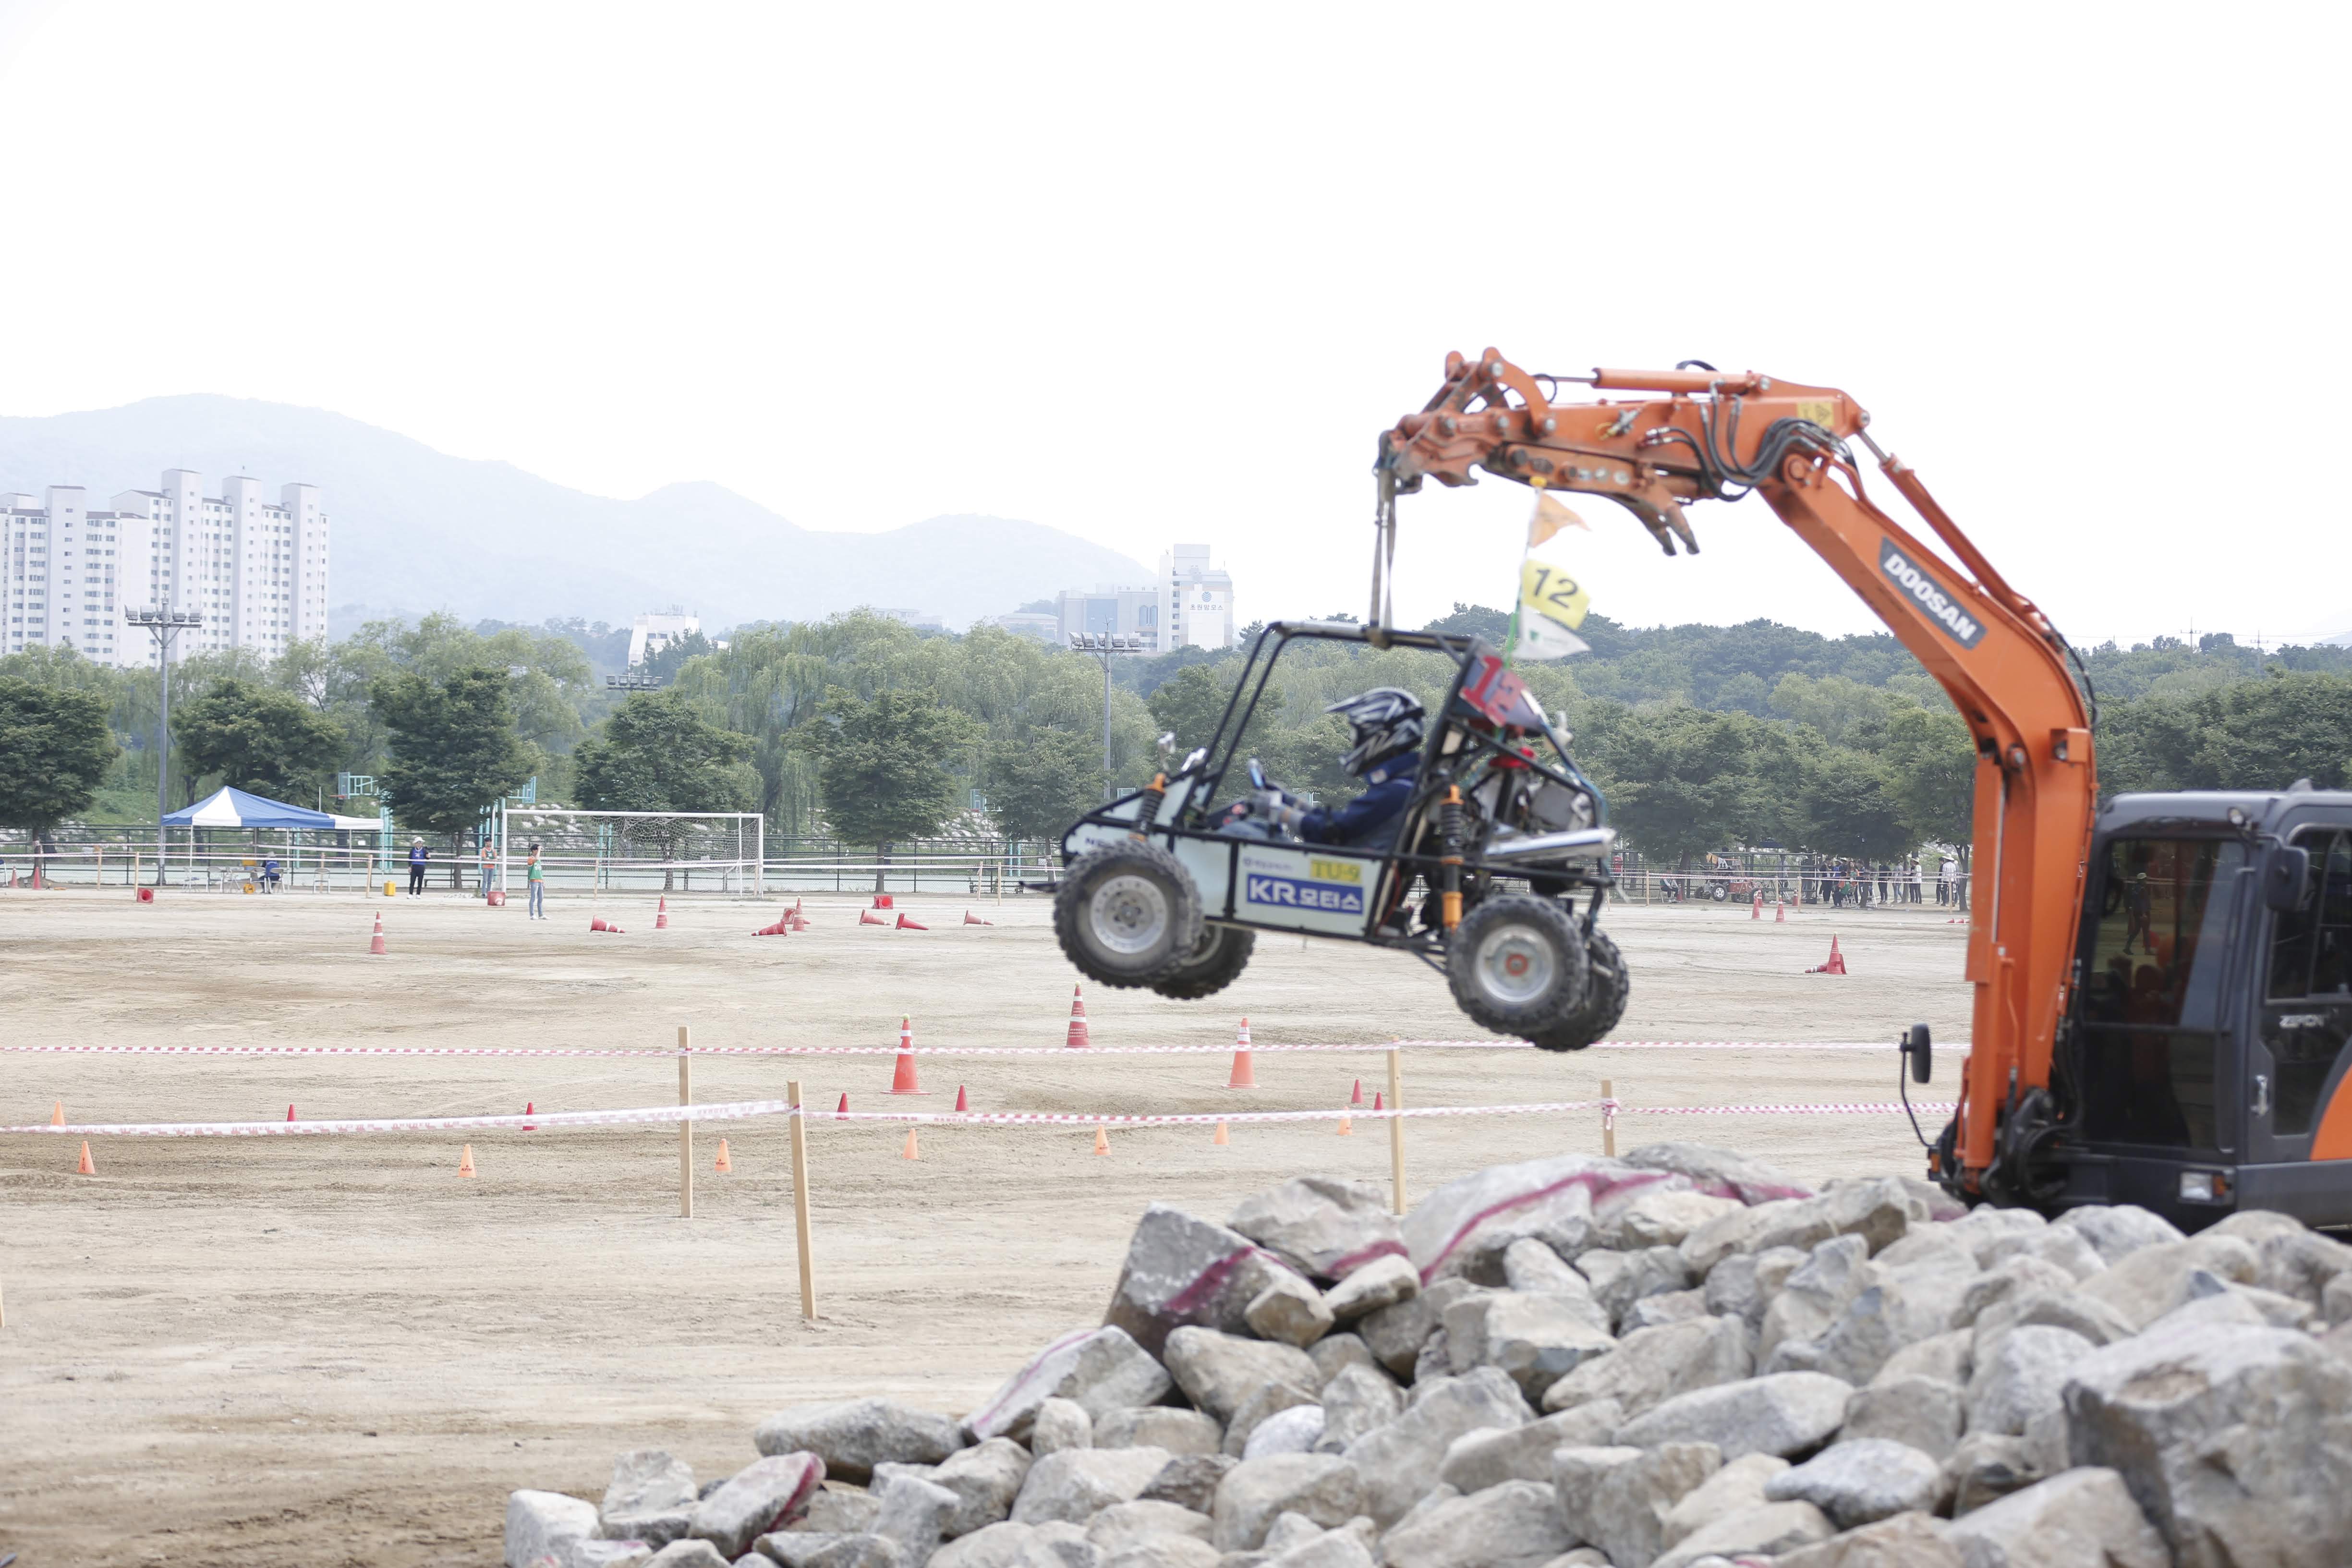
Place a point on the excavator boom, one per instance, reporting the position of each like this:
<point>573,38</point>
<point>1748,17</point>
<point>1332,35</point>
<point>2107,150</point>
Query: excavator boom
<point>1704,435</point>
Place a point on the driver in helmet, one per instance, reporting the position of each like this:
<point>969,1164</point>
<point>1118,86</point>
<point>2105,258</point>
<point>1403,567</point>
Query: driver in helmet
<point>1386,756</point>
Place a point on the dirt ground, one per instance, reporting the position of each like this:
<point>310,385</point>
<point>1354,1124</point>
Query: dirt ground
<point>330,1351</point>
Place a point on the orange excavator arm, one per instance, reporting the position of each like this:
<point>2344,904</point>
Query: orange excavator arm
<point>1709,435</point>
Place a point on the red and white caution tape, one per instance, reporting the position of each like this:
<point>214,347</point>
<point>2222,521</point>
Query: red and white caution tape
<point>1855,1108</point>
<point>1064,1051</point>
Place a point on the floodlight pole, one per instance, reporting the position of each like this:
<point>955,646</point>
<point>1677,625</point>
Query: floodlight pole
<point>165,625</point>
<point>1103,645</point>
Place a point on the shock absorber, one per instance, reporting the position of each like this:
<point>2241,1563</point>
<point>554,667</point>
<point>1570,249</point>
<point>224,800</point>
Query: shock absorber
<point>1449,819</point>
<point>1148,811</point>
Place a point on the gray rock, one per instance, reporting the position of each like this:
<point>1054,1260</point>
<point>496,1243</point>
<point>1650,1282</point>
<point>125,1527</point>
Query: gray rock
<point>2018,1276</point>
<point>1514,1525</point>
<point>1947,1358</point>
<point>1744,1284</point>
<point>1219,1371</point>
<point>541,1526</point>
<point>2255,1227</point>
<point>1618,1498</point>
<point>1924,1244</point>
<point>2336,1301</point>
<point>1359,1399</point>
<point>1489,1456</point>
<point>1288,1531</point>
<point>1621,1278</point>
<point>1161,1552</point>
<point>1986,1465</point>
<point>2072,1311</point>
<point>2237,1441</point>
<point>1293,1431</point>
<point>1160,1426</point>
<point>1060,1423</point>
<point>1323,1487</point>
<point>1326,1225</point>
<point>2046,1445</point>
<point>913,1514</point>
<point>1665,1217</point>
<point>1537,1338</point>
<point>1332,1549</point>
<point>2019,1375</point>
<point>1861,1480</point>
<point>1719,1173</point>
<point>1580,1557</point>
<point>629,1553</point>
<point>1078,1483</point>
<point>2147,1284</point>
<point>1009,1545</point>
<point>1399,1461</point>
<point>1650,1366</point>
<point>1555,1200</point>
<point>1182,1270</point>
<point>1905,1540</point>
<point>1924,1413</point>
<point>757,1498</point>
<point>1382,1282</point>
<point>852,1435</point>
<point>1099,1370</point>
<point>832,1512</point>
<point>1657,1312</point>
<point>1435,1360</point>
<point>2302,1264</point>
<point>1333,1351</point>
<point>1124,1524</point>
<point>2062,1245</point>
<point>647,1481</point>
<point>1266,1401</point>
<point>1394,1334</point>
<point>2085,1516</point>
<point>1737,1488</point>
<point>1980,1229</point>
<point>1814,1296</point>
<point>688,1554</point>
<point>1290,1311</point>
<point>2118,1230</point>
<point>1190,1480</point>
<point>1529,1265</point>
<point>1768,1530</point>
<point>2280,1311</point>
<point>1789,1415</point>
<point>808,1550</point>
<point>1732,1233</point>
<point>985,1479</point>
<point>1872,1328</point>
<point>655,1530</point>
<point>1878,1210</point>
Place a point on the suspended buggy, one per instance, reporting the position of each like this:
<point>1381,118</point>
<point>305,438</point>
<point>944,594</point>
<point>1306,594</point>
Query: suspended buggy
<point>1495,873</point>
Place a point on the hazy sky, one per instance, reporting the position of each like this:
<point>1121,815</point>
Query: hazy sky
<point>1159,273</point>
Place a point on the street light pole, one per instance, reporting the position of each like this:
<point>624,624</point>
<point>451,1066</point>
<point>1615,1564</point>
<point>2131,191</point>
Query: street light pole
<point>165,625</point>
<point>1103,645</point>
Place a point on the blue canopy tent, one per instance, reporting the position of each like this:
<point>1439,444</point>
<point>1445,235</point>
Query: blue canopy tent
<point>236,810</point>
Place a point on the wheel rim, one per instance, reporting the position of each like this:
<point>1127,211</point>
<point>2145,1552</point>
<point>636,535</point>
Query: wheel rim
<point>1129,914</point>
<point>1516,965</point>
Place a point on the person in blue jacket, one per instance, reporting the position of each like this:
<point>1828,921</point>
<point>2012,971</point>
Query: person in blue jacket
<point>1389,726</point>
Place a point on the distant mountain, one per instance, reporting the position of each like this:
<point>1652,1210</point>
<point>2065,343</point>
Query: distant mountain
<point>416,530</point>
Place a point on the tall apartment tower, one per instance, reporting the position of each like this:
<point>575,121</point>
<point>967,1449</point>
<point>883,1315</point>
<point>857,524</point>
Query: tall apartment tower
<point>1196,600</point>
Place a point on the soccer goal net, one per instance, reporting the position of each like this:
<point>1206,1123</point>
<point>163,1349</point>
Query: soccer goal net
<point>642,851</point>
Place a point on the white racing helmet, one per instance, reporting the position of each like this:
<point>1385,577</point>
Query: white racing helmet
<point>1387,723</point>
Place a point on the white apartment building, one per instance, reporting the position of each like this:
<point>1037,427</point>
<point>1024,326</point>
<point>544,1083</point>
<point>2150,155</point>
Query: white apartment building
<point>1196,600</point>
<point>255,570</point>
<point>656,631</point>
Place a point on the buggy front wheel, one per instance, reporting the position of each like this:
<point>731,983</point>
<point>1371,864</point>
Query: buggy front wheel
<point>1222,953</point>
<point>1517,966</point>
<point>1126,914</point>
<point>1607,984</point>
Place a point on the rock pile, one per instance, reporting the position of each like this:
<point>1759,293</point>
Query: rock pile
<point>1675,1360</point>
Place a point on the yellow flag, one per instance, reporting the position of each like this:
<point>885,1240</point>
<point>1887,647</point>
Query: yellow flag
<point>1549,517</point>
<point>1552,603</point>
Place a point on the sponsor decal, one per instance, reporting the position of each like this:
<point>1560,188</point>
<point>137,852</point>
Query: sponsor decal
<point>1298,893</point>
<point>1944,609</point>
<point>1335,870</point>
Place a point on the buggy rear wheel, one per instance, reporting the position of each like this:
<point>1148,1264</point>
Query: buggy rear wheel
<point>1607,984</point>
<point>1215,963</point>
<point>1128,913</point>
<point>1517,966</point>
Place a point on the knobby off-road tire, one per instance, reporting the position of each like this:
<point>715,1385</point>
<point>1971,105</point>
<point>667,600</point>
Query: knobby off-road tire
<point>1607,984</point>
<point>1217,962</point>
<point>1517,966</point>
<point>1126,914</point>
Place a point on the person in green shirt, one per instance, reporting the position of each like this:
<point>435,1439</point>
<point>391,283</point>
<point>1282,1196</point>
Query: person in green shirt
<point>532,874</point>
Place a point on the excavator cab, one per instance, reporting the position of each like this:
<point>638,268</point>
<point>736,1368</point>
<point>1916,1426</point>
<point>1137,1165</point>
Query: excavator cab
<point>2205,1063</point>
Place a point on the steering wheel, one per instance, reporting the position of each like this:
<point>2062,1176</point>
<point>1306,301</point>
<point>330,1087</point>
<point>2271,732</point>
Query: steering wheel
<point>1256,774</point>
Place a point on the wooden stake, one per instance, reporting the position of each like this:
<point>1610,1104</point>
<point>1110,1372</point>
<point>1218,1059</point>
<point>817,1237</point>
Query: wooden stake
<point>1608,1120</point>
<point>801,1199</point>
<point>684,1129</point>
<point>1396,1129</point>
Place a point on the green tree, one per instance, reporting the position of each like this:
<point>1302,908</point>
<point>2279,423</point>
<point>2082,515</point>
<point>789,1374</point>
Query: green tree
<point>268,741</point>
<point>1682,781</point>
<point>54,753</point>
<point>1850,806</point>
<point>1189,706</point>
<point>884,766</point>
<point>453,747</point>
<point>657,753</point>
<point>1932,763</point>
<point>1040,783</point>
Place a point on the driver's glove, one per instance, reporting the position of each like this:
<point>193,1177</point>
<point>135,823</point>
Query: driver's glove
<point>1277,809</point>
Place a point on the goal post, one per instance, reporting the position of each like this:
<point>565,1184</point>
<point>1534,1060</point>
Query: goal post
<point>638,851</point>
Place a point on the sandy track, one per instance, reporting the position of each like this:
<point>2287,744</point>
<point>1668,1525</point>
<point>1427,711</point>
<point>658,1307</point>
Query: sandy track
<point>332,1351</point>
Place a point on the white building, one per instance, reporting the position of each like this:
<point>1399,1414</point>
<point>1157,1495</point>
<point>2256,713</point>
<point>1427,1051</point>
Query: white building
<point>1128,612</point>
<point>1196,600</point>
<point>653,633</point>
<point>256,571</point>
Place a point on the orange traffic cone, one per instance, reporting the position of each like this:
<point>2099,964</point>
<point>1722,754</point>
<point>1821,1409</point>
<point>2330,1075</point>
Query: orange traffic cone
<point>972,919</point>
<point>962,1103</point>
<point>1377,1106</point>
<point>1346,1125</point>
<point>529,1109</point>
<point>1220,1137</point>
<point>1836,965</point>
<point>598,922</point>
<point>57,1114</point>
<point>725,1165</point>
<point>1780,913</point>
<point>1102,1141</point>
<point>1244,1072</point>
<point>86,1168</point>
<point>1077,1039</point>
<point>906,925</point>
<point>781,927</point>
<point>1357,1096</point>
<point>882,901</point>
<point>902,1081</point>
<point>466,1162</point>
<point>1756,909</point>
<point>911,1151</point>
<point>841,1111</point>
<point>868,918</point>
<point>375,943</point>
<point>289,1113</point>
<point>799,921</point>
<point>661,915</point>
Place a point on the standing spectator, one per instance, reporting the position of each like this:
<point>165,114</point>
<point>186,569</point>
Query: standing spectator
<point>536,878</point>
<point>417,855</point>
<point>489,864</point>
<point>1917,878</point>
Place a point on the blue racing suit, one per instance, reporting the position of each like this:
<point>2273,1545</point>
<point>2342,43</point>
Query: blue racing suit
<point>1369,821</point>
